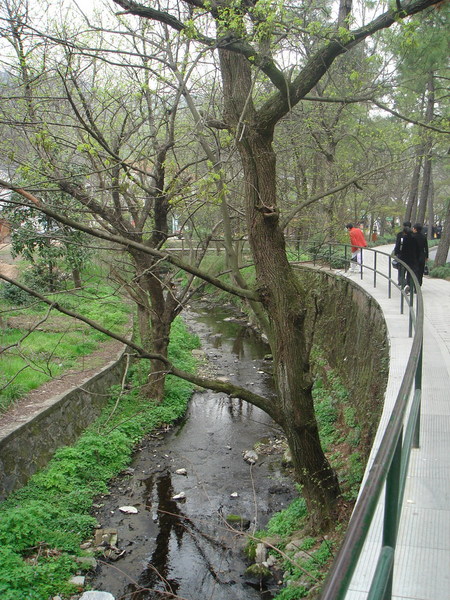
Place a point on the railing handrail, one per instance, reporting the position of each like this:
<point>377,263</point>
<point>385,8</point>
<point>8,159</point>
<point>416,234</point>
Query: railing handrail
<point>383,469</point>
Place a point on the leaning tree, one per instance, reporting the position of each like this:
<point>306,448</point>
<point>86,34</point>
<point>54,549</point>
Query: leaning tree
<point>251,39</point>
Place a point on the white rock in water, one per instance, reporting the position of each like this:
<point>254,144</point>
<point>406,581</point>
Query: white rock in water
<point>250,456</point>
<point>93,595</point>
<point>180,496</point>
<point>129,510</point>
<point>260,553</point>
<point>181,472</point>
<point>271,560</point>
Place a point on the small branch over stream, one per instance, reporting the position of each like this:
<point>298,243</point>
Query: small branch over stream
<point>212,384</point>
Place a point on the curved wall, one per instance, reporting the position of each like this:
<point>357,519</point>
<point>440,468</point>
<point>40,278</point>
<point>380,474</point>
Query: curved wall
<point>351,331</point>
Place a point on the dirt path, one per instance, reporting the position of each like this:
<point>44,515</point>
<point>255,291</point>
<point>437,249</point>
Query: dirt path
<point>7,266</point>
<point>31,404</point>
<point>87,365</point>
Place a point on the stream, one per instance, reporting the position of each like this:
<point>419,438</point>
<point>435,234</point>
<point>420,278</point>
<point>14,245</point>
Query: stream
<point>185,548</point>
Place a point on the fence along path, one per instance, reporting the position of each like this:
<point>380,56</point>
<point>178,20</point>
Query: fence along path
<point>422,559</point>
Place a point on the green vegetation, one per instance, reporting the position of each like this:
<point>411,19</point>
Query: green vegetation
<point>56,343</point>
<point>439,272</point>
<point>215,264</point>
<point>305,559</point>
<point>339,432</point>
<point>43,524</point>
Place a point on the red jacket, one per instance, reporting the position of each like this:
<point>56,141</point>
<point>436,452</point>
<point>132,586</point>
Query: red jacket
<point>356,238</point>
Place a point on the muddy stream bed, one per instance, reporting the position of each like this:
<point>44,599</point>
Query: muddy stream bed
<point>184,548</point>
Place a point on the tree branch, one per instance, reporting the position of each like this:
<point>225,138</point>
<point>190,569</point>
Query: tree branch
<point>279,105</point>
<point>380,105</point>
<point>229,42</point>
<point>334,190</point>
<point>217,386</point>
<point>127,243</point>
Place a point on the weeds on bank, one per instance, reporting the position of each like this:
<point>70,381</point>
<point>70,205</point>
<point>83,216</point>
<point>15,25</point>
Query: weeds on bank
<point>43,524</point>
<point>57,343</point>
<point>305,560</point>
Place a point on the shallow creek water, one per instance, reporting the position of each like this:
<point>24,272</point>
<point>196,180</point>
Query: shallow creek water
<point>185,548</point>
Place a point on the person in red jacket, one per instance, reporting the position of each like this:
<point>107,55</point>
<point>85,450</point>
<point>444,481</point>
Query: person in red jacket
<point>358,241</point>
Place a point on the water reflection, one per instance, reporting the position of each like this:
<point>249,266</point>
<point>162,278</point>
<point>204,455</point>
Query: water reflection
<point>184,548</point>
<point>157,575</point>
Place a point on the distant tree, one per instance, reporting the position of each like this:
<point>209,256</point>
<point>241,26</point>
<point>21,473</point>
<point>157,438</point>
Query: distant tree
<point>52,249</point>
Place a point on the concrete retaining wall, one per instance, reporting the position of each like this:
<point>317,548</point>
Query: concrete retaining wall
<point>351,332</point>
<point>28,447</point>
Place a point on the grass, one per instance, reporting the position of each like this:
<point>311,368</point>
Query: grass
<point>305,565</point>
<point>43,524</point>
<point>29,360</point>
<point>439,272</point>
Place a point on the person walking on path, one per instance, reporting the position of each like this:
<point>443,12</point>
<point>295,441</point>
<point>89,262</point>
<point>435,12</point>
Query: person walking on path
<point>408,251</point>
<point>423,250</point>
<point>358,241</point>
<point>396,252</point>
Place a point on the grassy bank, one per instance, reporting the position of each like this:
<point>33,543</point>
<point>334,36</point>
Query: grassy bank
<point>43,524</point>
<point>303,559</point>
<point>39,344</point>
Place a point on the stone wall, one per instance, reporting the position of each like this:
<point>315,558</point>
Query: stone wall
<point>28,447</point>
<point>351,333</point>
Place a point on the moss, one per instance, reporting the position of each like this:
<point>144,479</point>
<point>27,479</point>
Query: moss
<point>258,570</point>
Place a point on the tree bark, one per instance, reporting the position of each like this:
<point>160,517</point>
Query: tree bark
<point>428,151</point>
<point>157,308</point>
<point>444,243</point>
<point>281,296</point>
<point>76,278</point>
<point>411,208</point>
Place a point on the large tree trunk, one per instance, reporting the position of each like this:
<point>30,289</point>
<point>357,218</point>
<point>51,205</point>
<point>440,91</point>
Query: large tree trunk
<point>428,150</point>
<point>157,309</point>
<point>281,297</point>
<point>444,243</point>
<point>411,208</point>
<point>76,278</point>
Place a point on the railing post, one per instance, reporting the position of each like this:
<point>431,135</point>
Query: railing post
<point>389,279</point>
<point>411,305</point>
<point>374,269</point>
<point>391,507</point>
<point>381,576</point>
<point>418,386</point>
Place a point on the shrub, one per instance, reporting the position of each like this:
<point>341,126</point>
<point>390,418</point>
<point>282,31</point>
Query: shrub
<point>14,295</point>
<point>441,272</point>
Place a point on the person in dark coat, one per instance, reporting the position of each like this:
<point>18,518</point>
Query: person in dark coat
<point>409,254</point>
<point>423,250</point>
<point>397,250</point>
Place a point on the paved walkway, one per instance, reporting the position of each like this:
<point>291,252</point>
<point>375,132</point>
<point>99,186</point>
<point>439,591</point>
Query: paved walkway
<point>422,562</point>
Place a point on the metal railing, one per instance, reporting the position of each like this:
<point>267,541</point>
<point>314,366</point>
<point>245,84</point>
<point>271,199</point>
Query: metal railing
<point>391,461</point>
